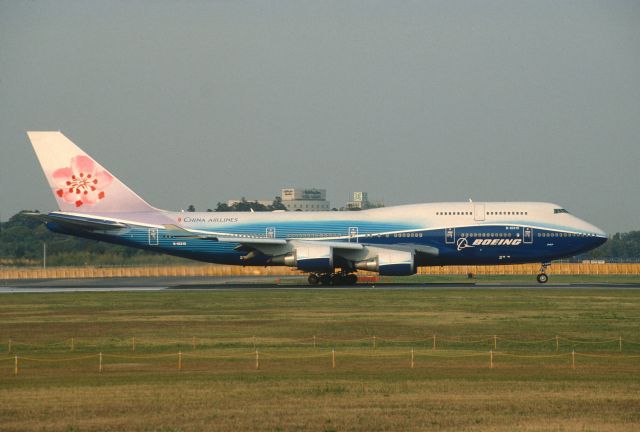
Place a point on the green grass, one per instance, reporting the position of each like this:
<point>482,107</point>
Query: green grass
<point>296,388</point>
<point>513,279</point>
<point>480,279</point>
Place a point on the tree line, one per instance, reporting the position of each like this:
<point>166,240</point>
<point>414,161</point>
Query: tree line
<point>22,240</point>
<point>243,206</point>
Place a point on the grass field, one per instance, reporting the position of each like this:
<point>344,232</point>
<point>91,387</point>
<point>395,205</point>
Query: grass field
<point>531,386</point>
<point>505,279</point>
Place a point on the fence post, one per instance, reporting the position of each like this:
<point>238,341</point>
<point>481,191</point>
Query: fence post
<point>15,369</point>
<point>257,360</point>
<point>412,363</point>
<point>620,344</point>
<point>333,358</point>
<point>314,341</point>
<point>434,341</point>
<point>573,359</point>
<point>557,345</point>
<point>374,342</point>
<point>495,342</point>
<point>490,359</point>
<point>179,360</point>
<point>100,363</point>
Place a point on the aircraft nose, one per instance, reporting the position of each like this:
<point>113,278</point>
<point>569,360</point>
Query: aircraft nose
<point>594,230</point>
<point>597,241</point>
<point>599,236</point>
<point>599,233</point>
<point>595,236</point>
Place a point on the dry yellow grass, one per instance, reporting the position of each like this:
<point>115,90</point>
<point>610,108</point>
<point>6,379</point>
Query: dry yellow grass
<point>257,401</point>
<point>296,388</point>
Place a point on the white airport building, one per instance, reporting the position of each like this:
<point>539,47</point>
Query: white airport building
<point>305,199</point>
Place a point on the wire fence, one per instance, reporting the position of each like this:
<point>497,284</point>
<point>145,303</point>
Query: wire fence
<point>556,343</point>
<point>318,352</point>
<point>327,359</point>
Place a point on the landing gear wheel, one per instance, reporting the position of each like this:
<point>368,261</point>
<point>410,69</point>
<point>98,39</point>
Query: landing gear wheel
<point>351,279</point>
<point>313,279</point>
<point>542,278</point>
<point>337,279</point>
<point>325,279</point>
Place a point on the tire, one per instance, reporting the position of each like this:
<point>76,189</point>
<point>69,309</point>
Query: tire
<point>325,279</point>
<point>337,279</point>
<point>542,278</point>
<point>313,279</point>
<point>351,279</point>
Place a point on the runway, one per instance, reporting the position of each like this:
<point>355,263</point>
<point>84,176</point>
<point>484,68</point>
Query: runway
<point>261,282</point>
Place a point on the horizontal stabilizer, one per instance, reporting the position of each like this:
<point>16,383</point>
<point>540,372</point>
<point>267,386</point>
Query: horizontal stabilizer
<point>79,222</point>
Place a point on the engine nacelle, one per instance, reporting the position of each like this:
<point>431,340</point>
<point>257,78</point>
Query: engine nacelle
<point>311,258</point>
<point>390,263</point>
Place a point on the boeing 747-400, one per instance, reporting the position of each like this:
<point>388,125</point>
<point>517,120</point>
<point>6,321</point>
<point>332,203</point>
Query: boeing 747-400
<point>330,246</point>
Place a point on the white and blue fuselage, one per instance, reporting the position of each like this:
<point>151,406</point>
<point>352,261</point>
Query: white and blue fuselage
<point>460,233</point>
<point>331,246</point>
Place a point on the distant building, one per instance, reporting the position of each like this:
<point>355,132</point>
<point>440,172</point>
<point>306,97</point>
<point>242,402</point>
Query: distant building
<point>305,199</point>
<point>361,201</point>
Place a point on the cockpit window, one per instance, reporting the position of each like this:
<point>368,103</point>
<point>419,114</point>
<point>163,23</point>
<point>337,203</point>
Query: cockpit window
<point>556,211</point>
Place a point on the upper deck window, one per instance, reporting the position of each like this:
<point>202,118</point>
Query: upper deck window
<point>560,210</point>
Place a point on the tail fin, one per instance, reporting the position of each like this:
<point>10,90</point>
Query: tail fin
<point>79,183</point>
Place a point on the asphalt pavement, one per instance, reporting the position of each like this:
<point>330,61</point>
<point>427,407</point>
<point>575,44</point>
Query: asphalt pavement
<point>258,282</point>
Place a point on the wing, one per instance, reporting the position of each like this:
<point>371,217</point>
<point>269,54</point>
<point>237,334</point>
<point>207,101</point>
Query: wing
<point>319,255</point>
<point>267,246</point>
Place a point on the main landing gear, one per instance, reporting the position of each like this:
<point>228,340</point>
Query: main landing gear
<point>333,278</point>
<point>542,277</point>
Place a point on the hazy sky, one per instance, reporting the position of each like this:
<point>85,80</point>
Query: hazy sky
<point>199,102</point>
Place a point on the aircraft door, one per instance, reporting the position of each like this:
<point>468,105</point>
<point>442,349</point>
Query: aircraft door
<point>353,234</point>
<point>478,212</point>
<point>153,236</point>
<point>527,235</point>
<point>450,235</point>
<point>270,232</point>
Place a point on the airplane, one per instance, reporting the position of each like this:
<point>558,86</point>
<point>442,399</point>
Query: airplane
<point>330,246</point>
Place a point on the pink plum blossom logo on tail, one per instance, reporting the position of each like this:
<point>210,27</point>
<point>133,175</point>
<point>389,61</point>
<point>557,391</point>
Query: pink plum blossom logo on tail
<point>81,183</point>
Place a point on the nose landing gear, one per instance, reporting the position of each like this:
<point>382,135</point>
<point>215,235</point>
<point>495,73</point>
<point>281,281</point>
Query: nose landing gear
<point>333,278</point>
<point>542,277</point>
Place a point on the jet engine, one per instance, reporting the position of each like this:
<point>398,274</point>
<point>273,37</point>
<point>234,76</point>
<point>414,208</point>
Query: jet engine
<point>310,258</point>
<point>390,263</point>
